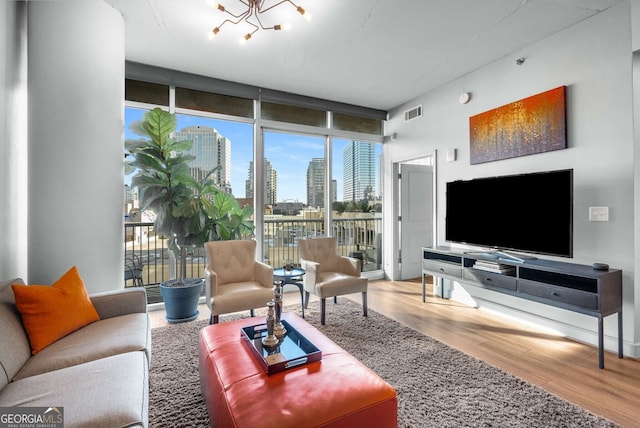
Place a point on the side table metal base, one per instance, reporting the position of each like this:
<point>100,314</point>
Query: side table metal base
<point>293,277</point>
<point>299,285</point>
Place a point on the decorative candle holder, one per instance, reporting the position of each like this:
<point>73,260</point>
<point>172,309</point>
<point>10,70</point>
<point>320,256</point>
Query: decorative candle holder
<point>279,329</point>
<point>271,341</point>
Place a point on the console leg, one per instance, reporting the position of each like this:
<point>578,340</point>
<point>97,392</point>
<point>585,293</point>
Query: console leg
<point>620,353</point>
<point>600,343</point>
<point>323,305</point>
<point>424,293</point>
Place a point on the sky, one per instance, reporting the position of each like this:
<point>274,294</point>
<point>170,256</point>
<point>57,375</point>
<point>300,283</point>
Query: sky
<point>289,154</point>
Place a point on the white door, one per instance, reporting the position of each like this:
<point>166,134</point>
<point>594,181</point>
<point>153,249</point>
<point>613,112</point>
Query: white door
<point>416,217</point>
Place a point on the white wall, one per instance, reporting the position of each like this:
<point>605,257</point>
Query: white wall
<point>635,24</point>
<point>593,59</point>
<point>13,140</point>
<point>76,93</point>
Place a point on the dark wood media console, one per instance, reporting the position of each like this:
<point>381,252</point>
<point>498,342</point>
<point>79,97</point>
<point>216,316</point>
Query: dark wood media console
<point>574,287</point>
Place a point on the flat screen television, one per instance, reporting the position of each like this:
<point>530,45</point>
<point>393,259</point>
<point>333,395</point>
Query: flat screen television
<point>531,213</point>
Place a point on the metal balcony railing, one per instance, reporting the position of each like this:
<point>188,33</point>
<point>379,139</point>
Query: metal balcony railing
<point>147,258</point>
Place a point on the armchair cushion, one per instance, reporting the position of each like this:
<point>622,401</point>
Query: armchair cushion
<point>236,281</point>
<point>233,261</point>
<point>322,251</point>
<point>327,273</point>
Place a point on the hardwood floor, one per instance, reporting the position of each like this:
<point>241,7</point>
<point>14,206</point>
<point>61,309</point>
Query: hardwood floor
<point>564,367</point>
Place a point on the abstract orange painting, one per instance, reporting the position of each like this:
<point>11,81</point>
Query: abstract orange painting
<point>532,125</point>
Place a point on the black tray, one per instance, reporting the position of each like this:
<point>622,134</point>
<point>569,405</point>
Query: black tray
<point>293,350</point>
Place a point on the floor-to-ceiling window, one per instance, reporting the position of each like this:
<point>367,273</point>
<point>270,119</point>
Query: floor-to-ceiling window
<point>299,182</point>
<point>141,244</point>
<point>223,145</point>
<point>294,189</point>
<point>357,207</point>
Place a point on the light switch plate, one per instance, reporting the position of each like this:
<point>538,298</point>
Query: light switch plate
<point>451,155</point>
<point>598,213</point>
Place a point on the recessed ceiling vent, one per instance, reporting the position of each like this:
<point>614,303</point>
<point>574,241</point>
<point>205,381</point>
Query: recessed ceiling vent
<point>413,113</point>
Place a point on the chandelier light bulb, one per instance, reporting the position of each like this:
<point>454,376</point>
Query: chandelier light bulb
<point>216,5</point>
<point>213,33</point>
<point>304,13</point>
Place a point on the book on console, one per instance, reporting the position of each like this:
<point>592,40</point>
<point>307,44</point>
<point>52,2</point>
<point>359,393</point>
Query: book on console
<point>486,263</point>
<point>502,269</point>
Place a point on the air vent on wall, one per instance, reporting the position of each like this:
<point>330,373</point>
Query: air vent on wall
<point>413,113</point>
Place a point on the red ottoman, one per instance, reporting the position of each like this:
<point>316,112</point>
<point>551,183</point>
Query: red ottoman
<point>337,391</point>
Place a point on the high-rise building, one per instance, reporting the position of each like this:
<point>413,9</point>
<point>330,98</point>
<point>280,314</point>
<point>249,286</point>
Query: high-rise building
<point>128,193</point>
<point>211,150</point>
<point>334,191</point>
<point>359,170</point>
<point>315,183</point>
<point>270,183</point>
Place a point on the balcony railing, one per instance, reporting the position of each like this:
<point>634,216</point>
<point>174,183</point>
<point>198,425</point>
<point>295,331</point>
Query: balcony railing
<point>147,258</point>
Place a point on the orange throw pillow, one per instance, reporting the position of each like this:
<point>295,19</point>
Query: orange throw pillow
<point>51,312</point>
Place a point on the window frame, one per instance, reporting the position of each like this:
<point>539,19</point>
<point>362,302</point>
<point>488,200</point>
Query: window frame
<point>260,126</point>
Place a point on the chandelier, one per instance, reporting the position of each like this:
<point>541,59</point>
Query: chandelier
<point>252,16</point>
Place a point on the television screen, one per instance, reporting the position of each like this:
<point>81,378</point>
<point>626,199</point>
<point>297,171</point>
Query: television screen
<point>528,212</point>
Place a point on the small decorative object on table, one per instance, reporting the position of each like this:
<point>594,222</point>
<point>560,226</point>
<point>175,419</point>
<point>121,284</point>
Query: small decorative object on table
<point>270,341</point>
<point>293,350</point>
<point>278,328</point>
<point>287,265</point>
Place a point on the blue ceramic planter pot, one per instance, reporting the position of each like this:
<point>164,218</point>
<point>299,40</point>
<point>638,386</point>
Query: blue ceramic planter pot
<point>181,299</point>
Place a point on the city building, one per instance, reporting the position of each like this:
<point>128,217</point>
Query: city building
<point>315,184</point>
<point>288,208</point>
<point>128,193</point>
<point>270,183</point>
<point>359,171</point>
<point>211,150</point>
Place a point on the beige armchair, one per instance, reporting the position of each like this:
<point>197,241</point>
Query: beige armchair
<point>235,280</point>
<point>329,274</point>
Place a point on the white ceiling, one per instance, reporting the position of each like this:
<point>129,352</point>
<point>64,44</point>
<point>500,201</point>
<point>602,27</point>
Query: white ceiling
<point>372,53</point>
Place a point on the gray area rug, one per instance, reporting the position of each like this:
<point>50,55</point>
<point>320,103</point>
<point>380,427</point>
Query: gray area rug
<point>437,385</point>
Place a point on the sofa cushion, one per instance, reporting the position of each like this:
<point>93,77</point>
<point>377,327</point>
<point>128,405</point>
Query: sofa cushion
<point>100,339</point>
<point>14,343</point>
<point>110,392</point>
<point>51,312</point>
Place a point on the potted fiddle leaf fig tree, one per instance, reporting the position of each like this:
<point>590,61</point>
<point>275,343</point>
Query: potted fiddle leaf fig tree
<point>188,212</point>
